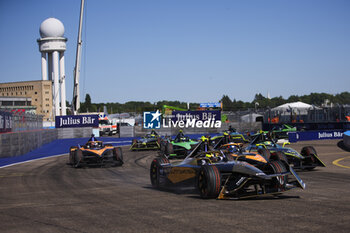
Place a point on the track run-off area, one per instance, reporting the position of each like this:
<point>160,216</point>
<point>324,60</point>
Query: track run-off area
<point>48,195</point>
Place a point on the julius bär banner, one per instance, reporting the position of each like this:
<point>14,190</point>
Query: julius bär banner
<point>76,121</point>
<point>196,119</point>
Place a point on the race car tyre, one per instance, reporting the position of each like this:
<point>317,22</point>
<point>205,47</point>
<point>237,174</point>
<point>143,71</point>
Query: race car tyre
<point>134,143</point>
<point>118,153</point>
<point>279,156</point>
<point>154,170</point>
<point>162,147</point>
<point>280,182</point>
<point>78,155</point>
<point>209,181</point>
<point>169,149</point>
<point>265,153</point>
<point>72,150</point>
<point>309,152</point>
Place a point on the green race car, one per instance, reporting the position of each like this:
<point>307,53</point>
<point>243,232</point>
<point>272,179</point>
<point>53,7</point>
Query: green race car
<point>177,148</point>
<point>281,131</point>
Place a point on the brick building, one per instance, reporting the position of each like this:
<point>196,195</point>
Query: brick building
<point>30,93</point>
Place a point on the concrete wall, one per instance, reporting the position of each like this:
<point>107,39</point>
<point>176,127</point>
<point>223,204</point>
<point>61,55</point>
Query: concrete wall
<point>19,143</point>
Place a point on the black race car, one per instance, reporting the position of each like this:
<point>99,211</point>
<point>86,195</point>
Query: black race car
<point>149,142</point>
<point>216,175</point>
<point>307,159</point>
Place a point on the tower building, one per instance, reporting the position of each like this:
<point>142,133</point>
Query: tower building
<point>52,45</point>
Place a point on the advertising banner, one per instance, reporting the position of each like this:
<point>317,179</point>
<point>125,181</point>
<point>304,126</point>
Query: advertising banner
<point>210,105</point>
<point>196,119</point>
<point>315,135</point>
<point>76,121</point>
<point>182,119</point>
<point>5,122</point>
<point>197,115</point>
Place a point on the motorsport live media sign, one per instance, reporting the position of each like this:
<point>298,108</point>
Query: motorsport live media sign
<point>76,121</point>
<point>182,119</point>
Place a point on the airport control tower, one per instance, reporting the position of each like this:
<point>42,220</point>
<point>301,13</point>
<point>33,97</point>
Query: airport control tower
<point>52,45</point>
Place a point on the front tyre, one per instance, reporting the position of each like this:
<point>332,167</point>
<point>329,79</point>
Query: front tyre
<point>72,152</point>
<point>209,182</point>
<point>279,182</point>
<point>118,156</point>
<point>77,159</point>
<point>155,170</point>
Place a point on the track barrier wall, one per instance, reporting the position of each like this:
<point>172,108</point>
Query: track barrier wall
<point>19,143</point>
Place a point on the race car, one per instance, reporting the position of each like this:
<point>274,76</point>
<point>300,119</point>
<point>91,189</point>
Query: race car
<point>177,148</point>
<point>149,142</point>
<point>307,159</point>
<point>228,136</point>
<point>94,152</point>
<point>282,131</point>
<point>216,175</point>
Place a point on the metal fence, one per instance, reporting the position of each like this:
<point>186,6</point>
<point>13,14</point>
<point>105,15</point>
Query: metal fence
<point>338,113</point>
<point>19,120</point>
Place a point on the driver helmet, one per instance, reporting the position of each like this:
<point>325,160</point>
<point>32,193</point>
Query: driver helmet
<point>233,149</point>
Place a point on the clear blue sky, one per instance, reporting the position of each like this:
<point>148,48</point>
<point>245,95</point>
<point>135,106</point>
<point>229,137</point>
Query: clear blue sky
<point>187,50</point>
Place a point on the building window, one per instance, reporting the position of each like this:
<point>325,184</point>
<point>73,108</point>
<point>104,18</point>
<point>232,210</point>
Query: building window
<point>36,93</point>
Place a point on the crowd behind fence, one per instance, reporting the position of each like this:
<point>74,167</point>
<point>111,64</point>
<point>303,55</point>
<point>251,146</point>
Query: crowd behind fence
<point>18,120</point>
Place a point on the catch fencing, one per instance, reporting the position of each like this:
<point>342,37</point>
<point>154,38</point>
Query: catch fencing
<point>19,120</point>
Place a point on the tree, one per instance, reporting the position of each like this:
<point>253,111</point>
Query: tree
<point>226,103</point>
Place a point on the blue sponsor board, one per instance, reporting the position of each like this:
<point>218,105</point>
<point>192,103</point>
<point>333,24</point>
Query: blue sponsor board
<point>197,115</point>
<point>315,135</point>
<point>76,121</point>
<point>210,105</point>
<point>5,122</point>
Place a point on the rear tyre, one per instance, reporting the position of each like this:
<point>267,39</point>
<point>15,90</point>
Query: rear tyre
<point>169,149</point>
<point>309,152</point>
<point>265,153</point>
<point>209,182</point>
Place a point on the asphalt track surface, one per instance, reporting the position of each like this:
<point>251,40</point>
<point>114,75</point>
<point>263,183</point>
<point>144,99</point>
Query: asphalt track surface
<point>47,195</point>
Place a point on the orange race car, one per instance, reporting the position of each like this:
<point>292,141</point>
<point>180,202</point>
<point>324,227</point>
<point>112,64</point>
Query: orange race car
<point>95,153</point>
